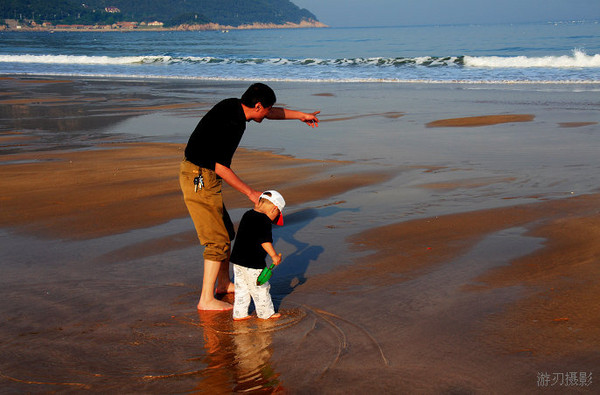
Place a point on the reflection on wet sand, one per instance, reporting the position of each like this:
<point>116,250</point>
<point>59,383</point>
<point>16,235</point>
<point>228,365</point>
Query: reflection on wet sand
<point>238,353</point>
<point>72,114</point>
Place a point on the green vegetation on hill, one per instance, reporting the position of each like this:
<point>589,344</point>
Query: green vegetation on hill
<point>171,12</point>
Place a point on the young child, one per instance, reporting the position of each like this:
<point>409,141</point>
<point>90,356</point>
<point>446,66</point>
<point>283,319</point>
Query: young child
<point>253,242</point>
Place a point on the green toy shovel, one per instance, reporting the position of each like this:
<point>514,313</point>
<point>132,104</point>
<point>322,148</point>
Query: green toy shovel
<point>265,275</point>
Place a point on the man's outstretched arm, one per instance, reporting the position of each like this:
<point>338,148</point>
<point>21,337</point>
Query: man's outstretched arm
<point>283,113</point>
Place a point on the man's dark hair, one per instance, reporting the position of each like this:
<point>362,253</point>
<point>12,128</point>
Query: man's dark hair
<point>259,93</point>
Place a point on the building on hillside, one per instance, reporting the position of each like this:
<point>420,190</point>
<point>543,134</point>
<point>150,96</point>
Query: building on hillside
<point>112,10</point>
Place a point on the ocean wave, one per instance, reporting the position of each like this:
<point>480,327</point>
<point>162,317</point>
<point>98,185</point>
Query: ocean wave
<point>166,59</point>
<point>77,59</point>
<point>578,59</point>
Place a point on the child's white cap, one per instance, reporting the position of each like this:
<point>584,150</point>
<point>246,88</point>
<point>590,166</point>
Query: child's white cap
<point>275,198</point>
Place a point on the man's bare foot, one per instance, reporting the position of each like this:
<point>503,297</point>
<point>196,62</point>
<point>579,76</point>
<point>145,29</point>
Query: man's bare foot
<point>243,318</point>
<point>214,304</point>
<point>228,290</point>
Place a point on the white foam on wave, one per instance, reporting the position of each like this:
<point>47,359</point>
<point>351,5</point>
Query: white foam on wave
<point>578,59</point>
<point>159,59</point>
<point>82,59</point>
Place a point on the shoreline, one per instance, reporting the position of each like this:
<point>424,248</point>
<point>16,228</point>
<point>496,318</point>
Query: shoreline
<point>198,27</point>
<point>158,78</point>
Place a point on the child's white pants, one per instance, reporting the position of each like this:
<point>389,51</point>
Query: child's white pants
<point>246,290</point>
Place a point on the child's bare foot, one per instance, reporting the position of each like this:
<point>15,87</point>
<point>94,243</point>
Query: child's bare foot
<point>214,304</point>
<point>276,315</point>
<point>242,319</point>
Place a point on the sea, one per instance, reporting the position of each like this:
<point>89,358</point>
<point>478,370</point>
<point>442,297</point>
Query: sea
<point>116,314</point>
<point>551,52</point>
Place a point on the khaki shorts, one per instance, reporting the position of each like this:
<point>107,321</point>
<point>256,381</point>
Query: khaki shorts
<point>211,220</point>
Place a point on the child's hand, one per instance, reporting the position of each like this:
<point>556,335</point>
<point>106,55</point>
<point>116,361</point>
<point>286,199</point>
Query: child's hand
<point>277,259</point>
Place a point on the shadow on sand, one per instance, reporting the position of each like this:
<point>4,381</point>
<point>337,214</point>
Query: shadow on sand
<point>292,271</point>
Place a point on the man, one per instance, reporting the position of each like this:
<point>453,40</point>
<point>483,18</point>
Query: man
<point>207,162</point>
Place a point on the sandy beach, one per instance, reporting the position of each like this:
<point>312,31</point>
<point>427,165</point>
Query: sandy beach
<point>438,239</point>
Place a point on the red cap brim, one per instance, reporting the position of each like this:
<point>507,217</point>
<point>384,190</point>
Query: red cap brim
<point>280,220</point>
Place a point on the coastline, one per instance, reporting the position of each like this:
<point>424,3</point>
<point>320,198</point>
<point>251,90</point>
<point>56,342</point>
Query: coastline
<point>455,258</point>
<point>184,27</point>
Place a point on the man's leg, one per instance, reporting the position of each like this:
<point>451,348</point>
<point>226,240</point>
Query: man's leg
<point>224,284</point>
<point>207,296</point>
<point>214,229</point>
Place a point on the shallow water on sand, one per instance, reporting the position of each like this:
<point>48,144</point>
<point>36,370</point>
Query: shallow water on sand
<point>116,313</point>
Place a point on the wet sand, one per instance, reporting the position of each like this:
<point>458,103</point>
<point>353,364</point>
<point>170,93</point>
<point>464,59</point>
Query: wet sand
<point>101,267</point>
<point>79,187</point>
<point>485,120</point>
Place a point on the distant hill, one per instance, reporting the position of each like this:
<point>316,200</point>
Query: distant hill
<point>170,12</point>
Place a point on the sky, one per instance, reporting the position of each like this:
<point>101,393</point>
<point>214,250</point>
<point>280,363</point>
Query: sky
<point>347,13</point>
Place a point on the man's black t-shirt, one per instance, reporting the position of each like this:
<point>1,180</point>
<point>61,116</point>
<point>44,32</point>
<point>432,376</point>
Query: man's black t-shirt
<point>254,229</point>
<point>217,135</point>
